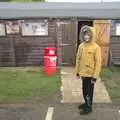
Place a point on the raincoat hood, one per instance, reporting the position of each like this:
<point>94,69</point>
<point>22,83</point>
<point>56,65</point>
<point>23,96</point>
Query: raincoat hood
<point>89,30</point>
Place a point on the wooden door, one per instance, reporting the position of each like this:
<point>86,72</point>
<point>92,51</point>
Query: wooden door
<point>102,28</point>
<point>66,42</point>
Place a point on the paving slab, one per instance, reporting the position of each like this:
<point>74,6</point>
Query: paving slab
<point>72,88</point>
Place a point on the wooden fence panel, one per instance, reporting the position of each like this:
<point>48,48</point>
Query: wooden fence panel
<point>23,51</point>
<point>31,51</point>
<point>7,55</point>
<point>115,49</point>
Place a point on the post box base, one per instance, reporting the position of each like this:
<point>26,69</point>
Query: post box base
<point>50,71</point>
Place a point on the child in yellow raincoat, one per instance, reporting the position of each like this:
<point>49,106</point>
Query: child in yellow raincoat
<point>88,65</point>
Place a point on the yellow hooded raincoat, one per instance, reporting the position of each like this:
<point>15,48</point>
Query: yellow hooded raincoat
<point>88,59</point>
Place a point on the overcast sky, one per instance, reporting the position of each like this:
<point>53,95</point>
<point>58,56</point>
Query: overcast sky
<point>82,0</point>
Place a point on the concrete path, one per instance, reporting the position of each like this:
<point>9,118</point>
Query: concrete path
<point>72,88</point>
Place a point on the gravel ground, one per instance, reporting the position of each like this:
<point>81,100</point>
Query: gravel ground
<point>36,110</point>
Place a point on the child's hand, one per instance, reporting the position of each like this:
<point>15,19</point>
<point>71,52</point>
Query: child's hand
<point>78,76</point>
<point>93,80</point>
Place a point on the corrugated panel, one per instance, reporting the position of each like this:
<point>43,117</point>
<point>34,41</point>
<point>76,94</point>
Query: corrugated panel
<point>55,10</point>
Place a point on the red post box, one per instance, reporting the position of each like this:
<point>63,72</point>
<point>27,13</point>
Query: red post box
<point>50,61</point>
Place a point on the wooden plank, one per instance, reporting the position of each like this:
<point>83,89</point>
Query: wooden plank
<point>24,50</point>
<point>32,50</point>
<point>102,28</point>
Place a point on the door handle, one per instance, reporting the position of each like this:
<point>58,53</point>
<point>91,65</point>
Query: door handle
<point>63,44</point>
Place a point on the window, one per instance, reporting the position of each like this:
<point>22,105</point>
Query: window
<point>12,27</point>
<point>118,29</point>
<point>35,29</point>
<point>2,29</point>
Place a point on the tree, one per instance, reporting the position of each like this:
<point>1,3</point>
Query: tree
<point>22,0</point>
<point>4,0</point>
<point>27,0</point>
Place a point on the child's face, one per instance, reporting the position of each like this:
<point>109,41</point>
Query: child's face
<point>87,38</point>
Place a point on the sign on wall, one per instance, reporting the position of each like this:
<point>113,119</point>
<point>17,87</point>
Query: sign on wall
<point>34,29</point>
<point>12,27</point>
<point>118,29</point>
<point>2,29</point>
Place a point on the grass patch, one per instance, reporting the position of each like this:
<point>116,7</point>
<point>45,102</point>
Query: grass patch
<point>26,83</point>
<point>111,79</point>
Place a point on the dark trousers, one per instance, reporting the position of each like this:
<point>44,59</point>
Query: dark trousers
<point>88,89</point>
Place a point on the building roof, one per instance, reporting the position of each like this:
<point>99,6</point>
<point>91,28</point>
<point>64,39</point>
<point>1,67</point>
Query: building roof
<point>60,10</point>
